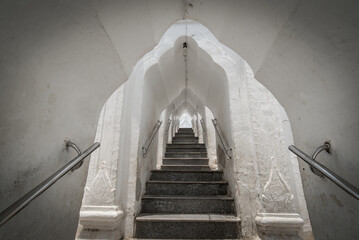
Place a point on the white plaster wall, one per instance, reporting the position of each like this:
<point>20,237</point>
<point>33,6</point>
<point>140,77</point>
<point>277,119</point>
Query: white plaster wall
<point>104,175</point>
<point>55,56</point>
<point>162,139</point>
<point>148,92</point>
<point>201,137</point>
<point>304,52</point>
<point>225,105</point>
<point>211,140</point>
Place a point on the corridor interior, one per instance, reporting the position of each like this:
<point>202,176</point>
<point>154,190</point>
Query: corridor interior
<point>182,116</point>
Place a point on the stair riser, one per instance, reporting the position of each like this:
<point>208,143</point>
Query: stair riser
<point>184,146</point>
<point>184,138</point>
<point>184,135</point>
<point>186,155</point>
<point>185,168</point>
<point>185,161</point>
<point>186,176</point>
<point>185,142</point>
<point>186,150</point>
<point>192,189</point>
<point>187,230</point>
<point>188,206</point>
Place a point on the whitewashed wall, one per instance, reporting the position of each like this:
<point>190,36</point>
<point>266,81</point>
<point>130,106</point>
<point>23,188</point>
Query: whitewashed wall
<point>144,107</point>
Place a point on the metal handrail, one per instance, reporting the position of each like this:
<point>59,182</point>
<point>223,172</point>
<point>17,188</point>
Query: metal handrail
<point>226,149</point>
<point>149,141</point>
<point>345,185</point>
<point>326,146</point>
<point>204,131</point>
<point>20,204</point>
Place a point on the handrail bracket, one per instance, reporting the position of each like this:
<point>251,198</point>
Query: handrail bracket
<point>69,143</point>
<point>325,147</point>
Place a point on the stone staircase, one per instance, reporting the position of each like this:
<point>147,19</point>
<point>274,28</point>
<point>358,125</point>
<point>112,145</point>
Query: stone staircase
<point>185,199</point>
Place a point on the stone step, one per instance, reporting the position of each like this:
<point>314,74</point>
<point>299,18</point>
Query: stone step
<point>182,145</point>
<point>179,139</point>
<point>168,175</point>
<point>188,204</point>
<point>177,239</point>
<point>188,188</point>
<point>186,167</point>
<point>185,142</point>
<point>184,137</point>
<point>185,130</point>
<point>185,161</point>
<point>184,134</point>
<point>197,149</point>
<point>187,226</point>
<point>185,154</point>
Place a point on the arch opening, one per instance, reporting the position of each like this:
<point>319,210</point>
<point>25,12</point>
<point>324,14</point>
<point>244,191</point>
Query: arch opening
<point>218,84</point>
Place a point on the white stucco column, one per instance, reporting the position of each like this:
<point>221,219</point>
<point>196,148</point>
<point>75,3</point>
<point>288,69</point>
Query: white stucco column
<point>211,140</point>
<point>99,209</point>
<point>161,139</point>
<point>200,129</point>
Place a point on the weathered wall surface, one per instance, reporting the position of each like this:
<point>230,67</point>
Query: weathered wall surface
<point>55,56</point>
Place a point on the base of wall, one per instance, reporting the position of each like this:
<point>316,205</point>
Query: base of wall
<point>96,235</point>
<point>276,226</point>
<point>100,222</point>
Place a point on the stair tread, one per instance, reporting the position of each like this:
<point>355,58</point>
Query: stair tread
<point>187,152</point>
<point>215,197</point>
<point>190,171</point>
<point>186,165</point>
<point>178,239</point>
<point>190,158</point>
<point>188,182</point>
<point>184,144</point>
<point>188,217</point>
<point>186,168</point>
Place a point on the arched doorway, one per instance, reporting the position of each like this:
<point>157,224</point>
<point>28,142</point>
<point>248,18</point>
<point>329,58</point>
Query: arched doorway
<point>250,119</point>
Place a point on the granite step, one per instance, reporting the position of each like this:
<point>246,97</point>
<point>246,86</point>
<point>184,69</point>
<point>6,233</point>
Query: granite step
<point>186,175</point>
<point>188,188</point>
<point>187,226</point>
<point>184,134</point>
<point>185,130</point>
<point>185,161</point>
<point>184,137</point>
<point>179,149</point>
<point>188,204</point>
<point>186,167</point>
<point>185,154</point>
<point>184,145</point>
<point>185,141</point>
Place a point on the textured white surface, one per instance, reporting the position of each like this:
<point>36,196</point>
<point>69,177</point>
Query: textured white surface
<point>151,89</point>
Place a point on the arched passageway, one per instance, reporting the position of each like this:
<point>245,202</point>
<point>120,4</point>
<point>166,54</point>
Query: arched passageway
<point>211,80</point>
<point>61,60</point>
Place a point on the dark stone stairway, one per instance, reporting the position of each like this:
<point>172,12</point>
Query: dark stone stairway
<point>185,199</point>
